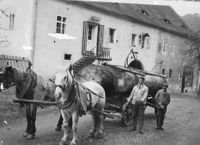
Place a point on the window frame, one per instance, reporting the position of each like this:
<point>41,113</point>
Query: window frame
<point>112,35</point>
<point>61,24</point>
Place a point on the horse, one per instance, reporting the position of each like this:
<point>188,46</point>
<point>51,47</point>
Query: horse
<point>28,86</point>
<point>72,97</point>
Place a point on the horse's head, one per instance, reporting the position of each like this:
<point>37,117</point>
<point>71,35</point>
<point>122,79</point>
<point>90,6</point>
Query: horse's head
<point>7,76</point>
<point>64,82</point>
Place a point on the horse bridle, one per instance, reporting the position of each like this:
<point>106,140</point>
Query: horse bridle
<point>71,99</point>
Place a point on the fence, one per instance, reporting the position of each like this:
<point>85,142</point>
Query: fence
<point>21,63</point>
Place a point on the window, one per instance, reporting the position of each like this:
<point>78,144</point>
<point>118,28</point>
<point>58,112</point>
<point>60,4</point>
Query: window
<point>111,35</point>
<point>133,40</point>
<point>89,32</point>
<point>170,73</point>
<point>11,23</point>
<point>166,21</point>
<point>67,57</point>
<point>60,25</point>
<point>144,40</point>
<point>164,46</point>
<point>143,12</point>
<point>140,39</point>
<point>172,48</point>
<point>163,71</point>
<point>148,42</point>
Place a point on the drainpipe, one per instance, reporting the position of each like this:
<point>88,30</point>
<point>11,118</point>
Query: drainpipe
<point>33,29</point>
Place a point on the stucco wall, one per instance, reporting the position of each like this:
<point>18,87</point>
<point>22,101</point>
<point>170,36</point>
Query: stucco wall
<point>174,60</point>
<point>21,34</point>
<point>49,53</point>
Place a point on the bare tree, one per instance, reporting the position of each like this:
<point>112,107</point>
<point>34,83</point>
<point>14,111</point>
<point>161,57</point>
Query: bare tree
<point>195,59</point>
<point>4,42</point>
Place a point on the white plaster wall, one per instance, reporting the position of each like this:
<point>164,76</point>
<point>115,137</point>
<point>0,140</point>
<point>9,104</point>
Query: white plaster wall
<point>21,35</point>
<point>49,55</point>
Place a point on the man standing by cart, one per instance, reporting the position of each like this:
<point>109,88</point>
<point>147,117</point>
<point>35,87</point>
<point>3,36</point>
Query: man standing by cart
<point>162,99</point>
<point>138,98</point>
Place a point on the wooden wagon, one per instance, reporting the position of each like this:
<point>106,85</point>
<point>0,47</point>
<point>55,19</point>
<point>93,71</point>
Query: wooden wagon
<point>118,82</point>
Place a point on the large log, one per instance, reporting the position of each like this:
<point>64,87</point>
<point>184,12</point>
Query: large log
<point>119,81</point>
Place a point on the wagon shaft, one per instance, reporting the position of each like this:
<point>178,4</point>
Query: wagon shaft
<point>34,102</point>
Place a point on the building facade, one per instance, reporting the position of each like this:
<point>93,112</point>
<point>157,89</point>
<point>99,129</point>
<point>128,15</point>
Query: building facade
<point>156,33</point>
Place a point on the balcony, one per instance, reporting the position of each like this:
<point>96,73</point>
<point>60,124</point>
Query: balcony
<point>104,55</point>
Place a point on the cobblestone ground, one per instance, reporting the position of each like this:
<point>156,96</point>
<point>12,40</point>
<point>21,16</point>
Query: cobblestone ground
<point>182,127</point>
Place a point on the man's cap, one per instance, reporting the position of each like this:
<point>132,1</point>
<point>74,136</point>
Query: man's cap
<point>142,77</point>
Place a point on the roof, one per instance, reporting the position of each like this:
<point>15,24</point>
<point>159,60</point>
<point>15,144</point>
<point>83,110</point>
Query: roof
<point>159,16</point>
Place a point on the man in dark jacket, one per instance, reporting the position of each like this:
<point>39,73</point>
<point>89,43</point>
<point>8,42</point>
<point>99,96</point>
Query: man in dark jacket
<point>162,99</point>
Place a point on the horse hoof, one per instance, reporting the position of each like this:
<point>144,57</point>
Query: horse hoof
<point>25,134</point>
<point>72,143</point>
<point>62,142</point>
<point>99,135</point>
<point>30,136</point>
<point>58,129</point>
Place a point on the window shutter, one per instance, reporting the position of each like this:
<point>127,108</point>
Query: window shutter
<point>84,39</point>
<point>100,39</point>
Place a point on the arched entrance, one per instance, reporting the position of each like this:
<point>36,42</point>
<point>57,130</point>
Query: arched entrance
<point>136,64</point>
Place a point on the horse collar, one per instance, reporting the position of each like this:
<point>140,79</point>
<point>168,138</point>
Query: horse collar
<point>70,100</point>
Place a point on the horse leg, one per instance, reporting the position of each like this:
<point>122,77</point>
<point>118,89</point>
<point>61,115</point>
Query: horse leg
<point>99,122</point>
<point>75,118</point>
<point>94,124</point>
<point>33,112</point>
<point>65,128</point>
<point>60,122</point>
<point>28,118</point>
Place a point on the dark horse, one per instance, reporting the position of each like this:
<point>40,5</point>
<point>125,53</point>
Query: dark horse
<point>29,86</point>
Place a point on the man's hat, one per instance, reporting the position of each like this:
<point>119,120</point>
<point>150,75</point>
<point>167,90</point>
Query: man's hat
<point>142,77</point>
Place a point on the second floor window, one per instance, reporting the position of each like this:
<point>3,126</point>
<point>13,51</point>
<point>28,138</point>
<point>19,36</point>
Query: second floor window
<point>111,35</point>
<point>172,48</point>
<point>11,22</point>
<point>164,47</point>
<point>170,73</point>
<point>133,40</point>
<point>60,25</point>
<point>163,71</point>
<point>89,32</point>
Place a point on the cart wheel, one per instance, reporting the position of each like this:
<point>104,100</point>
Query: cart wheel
<point>104,117</point>
<point>127,115</point>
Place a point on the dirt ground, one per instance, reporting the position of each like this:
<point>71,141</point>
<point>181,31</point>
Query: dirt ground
<point>182,127</point>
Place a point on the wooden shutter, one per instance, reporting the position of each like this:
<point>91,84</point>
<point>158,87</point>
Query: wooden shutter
<point>84,39</point>
<point>100,39</point>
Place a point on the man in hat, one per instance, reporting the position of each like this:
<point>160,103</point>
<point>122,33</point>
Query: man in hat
<point>138,98</point>
<point>162,99</point>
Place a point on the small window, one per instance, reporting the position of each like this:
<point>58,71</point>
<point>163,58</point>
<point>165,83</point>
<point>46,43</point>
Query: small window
<point>111,35</point>
<point>143,12</point>
<point>67,57</point>
<point>148,42</point>
<point>11,23</point>
<point>89,32</point>
<point>140,39</point>
<point>164,46</point>
<point>61,24</point>
<point>133,40</point>
<point>170,73</point>
<point>172,48</point>
<point>166,21</point>
<point>163,71</point>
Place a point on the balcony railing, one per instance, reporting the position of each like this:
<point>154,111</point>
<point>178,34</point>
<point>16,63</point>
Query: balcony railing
<point>105,55</point>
